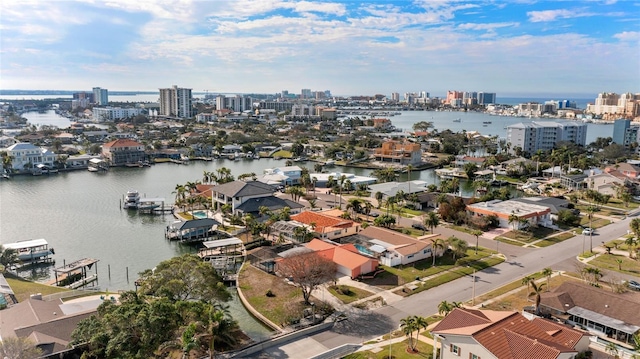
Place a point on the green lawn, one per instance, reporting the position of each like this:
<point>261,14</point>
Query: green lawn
<point>608,261</point>
<point>595,223</point>
<point>283,154</point>
<point>23,288</point>
<point>529,236</point>
<point>353,293</point>
<point>509,241</point>
<point>398,351</point>
<point>423,268</point>
<point>459,272</point>
<point>555,239</point>
<point>505,289</point>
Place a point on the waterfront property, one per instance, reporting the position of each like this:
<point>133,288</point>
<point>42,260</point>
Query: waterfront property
<point>470,333</point>
<point>612,316</point>
<point>226,256</point>
<point>192,230</point>
<point>403,153</point>
<point>544,135</point>
<point>237,192</point>
<point>390,189</point>
<point>26,156</point>
<point>123,152</point>
<point>33,250</point>
<point>513,213</point>
<point>327,225</point>
<point>322,179</point>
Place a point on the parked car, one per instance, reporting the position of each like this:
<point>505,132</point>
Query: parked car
<point>588,231</point>
<point>419,226</point>
<point>634,285</point>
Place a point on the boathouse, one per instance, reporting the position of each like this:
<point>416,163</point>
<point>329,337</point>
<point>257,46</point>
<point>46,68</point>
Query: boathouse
<point>75,275</point>
<point>193,230</point>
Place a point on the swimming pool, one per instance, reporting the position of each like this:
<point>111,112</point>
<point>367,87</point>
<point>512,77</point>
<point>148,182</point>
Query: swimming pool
<point>362,249</point>
<point>199,214</point>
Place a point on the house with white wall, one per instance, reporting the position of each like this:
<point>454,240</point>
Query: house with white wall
<point>25,155</point>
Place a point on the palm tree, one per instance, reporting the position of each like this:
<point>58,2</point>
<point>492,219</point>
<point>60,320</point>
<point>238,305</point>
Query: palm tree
<point>590,211</point>
<point>536,290</point>
<point>513,218</point>
<point>458,246</point>
<point>408,326</point>
<point>527,280</point>
<point>477,233</point>
<point>631,242</point>
<point>436,244</point>
<point>8,257</point>
<point>409,168</point>
<point>432,221</point>
<point>341,183</point>
<point>547,272</point>
<point>421,323</point>
<point>444,308</point>
<point>611,349</point>
<point>379,196</point>
<point>367,208</point>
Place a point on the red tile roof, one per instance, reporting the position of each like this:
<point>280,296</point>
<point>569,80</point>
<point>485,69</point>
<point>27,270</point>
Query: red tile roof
<point>123,142</point>
<point>345,255</point>
<point>323,223</point>
<point>509,335</point>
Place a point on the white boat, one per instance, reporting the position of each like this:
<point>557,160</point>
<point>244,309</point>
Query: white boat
<point>31,250</point>
<point>132,200</point>
<point>457,120</point>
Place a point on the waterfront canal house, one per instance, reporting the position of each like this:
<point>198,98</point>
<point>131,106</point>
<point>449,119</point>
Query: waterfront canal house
<point>123,152</point>
<point>392,248</point>
<point>513,214</point>
<point>615,317</point>
<point>285,176</point>
<point>26,156</point>
<point>606,182</point>
<point>193,230</point>
<point>402,153</point>
<point>486,334</point>
<point>349,261</point>
<point>238,192</point>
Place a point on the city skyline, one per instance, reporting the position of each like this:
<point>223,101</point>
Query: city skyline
<point>521,48</point>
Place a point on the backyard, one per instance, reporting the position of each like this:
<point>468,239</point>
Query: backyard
<point>281,306</point>
<point>23,288</point>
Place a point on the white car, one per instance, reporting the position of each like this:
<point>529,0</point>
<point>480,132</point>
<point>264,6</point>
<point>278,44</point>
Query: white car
<point>588,231</point>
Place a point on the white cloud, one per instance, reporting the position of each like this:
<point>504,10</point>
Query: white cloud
<point>552,15</point>
<point>628,36</point>
<point>489,26</point>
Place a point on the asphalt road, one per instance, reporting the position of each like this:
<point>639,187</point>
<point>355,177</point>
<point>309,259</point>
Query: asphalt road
<point>364,325</point>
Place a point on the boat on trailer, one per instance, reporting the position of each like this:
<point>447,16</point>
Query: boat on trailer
<point>31,250</point>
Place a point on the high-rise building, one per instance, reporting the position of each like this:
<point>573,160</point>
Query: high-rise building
<point>100,96</point>
<point>544,135</point>
<point>485,98</point>
<point>305,93</point>
<point>620,129</point>
<point>176,101</point>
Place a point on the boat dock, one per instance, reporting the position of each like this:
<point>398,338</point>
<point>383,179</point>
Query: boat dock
<point>195,230</point>
<point>75,275</point>
<point>225,255</point>
<point>32,250</point>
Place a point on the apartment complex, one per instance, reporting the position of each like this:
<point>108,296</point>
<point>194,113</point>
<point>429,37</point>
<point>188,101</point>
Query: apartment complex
<point>102,114</point>
<point>235,103</point>
<point>459,98</point>
<point>544,135</point>
<point>100,96</point>
<point>176,102</point>
<point>613,104</point>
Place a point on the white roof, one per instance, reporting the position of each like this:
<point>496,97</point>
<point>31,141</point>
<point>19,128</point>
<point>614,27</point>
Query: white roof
<point>26,244</point>
<point>222,242</point>
<point>96,160</point>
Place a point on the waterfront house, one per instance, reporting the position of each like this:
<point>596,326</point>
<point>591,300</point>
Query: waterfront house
<point>403,153</point>
<point>611,316</point>
<point>527,213</point>
<point>273,203</point>
<point>461,161</point>
<point>327,226</point>
<point>471,333</point>
<point>348,259</point>
<point>192,230</point>
<point>6,141</point>
<point>123,151</point>
<point>389,189</point>
<point>555,204</point>
<point>321,179</point>
<point>26,156</point>
<point>287,176</point>
<point>238,192</point>
<point>392,248</point>
<point>627,169</point>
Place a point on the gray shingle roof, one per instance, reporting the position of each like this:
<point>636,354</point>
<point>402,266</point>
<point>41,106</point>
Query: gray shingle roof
<point>243,189</point>
<point>272,202</point>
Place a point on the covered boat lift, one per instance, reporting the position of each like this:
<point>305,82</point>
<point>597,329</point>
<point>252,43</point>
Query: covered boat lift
<point>75,275</point>
<point>193,230</point>
<point>226,256</point>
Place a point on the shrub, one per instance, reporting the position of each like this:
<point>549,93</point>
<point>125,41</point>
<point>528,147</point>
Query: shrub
<point>270,294</point>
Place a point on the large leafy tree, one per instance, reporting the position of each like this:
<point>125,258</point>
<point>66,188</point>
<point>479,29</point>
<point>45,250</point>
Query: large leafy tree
<point>184,278</point>
<point>19,348</point>
<point>7,257</point>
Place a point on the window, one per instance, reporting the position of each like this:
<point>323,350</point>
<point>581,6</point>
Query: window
<point>473,356</point>
<point>455,349</point>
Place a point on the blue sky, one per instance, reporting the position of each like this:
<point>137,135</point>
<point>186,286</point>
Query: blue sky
<point>513,48</point>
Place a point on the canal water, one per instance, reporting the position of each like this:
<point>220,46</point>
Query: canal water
<point>79,213</point>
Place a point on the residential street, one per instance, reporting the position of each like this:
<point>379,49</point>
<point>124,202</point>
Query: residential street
<point>364,325</point>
